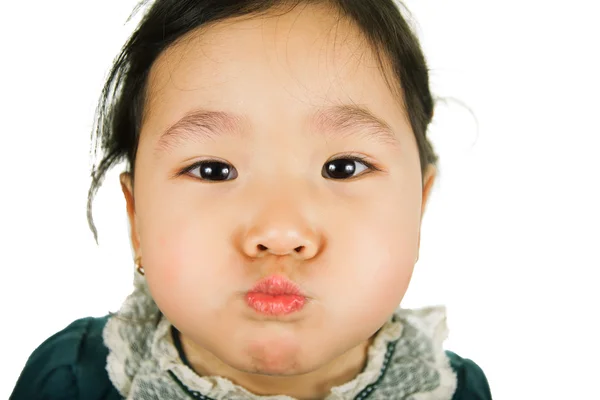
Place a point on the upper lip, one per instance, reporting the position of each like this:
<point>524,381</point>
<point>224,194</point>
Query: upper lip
<point>276,285</point>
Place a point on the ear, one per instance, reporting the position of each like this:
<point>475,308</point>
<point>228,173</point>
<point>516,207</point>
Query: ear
<point>127,187</point>
<point>428,181</point>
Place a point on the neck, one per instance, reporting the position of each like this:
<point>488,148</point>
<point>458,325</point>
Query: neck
<point>310,386</point>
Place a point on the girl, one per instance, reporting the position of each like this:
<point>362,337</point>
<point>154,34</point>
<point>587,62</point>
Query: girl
<point>277,174</point>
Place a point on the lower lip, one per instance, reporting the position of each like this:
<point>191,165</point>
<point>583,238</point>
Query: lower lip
<point>276,305</point>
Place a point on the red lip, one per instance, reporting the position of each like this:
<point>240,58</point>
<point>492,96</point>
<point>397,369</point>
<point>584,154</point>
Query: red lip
<point>275,295</point>
<point>276,285</point>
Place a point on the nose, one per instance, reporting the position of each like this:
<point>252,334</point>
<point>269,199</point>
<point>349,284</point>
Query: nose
<point>281,234</point>
<point>281,241</point>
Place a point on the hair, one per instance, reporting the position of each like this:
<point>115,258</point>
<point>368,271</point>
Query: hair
<point>120,109</point>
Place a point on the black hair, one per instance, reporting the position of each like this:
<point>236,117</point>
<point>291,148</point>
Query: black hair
<point>120,108</point>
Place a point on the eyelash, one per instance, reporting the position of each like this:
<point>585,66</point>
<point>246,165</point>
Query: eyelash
<point>370,167</point>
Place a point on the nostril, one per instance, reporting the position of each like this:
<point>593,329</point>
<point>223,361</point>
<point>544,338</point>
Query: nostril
<point>261,248</point>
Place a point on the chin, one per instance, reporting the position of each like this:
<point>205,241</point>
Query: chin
<point>280,372</point>
<point>274,358</point>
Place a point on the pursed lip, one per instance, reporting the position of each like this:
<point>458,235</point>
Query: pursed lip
<point>277,285</point>
<point>275,296</point>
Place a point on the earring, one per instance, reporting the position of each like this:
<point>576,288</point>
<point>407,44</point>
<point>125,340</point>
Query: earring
<point>138,265</point>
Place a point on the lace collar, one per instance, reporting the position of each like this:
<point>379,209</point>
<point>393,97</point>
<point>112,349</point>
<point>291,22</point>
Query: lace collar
<point>405,359</point>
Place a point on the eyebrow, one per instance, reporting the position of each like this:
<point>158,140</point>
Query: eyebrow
<point>341,121</point>
<point>334,122</point>
<point>200,126</point>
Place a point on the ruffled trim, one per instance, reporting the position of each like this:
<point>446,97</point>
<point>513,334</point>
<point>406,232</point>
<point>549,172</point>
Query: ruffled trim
<point>127,336</point>
<point>117,357</point>
<point>432,321</point>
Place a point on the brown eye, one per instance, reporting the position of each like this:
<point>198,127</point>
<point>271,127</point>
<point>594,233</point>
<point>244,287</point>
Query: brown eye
<point>212,171</point>
<point>344,168</point>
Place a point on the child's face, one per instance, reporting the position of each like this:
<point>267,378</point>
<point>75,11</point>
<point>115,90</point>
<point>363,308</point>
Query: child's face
<point>277,88</point>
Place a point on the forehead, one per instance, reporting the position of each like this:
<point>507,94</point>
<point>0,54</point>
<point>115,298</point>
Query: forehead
<point>285,62</point>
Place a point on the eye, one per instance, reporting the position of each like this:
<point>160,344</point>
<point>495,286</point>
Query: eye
<point>345,168</point>
<point>212,170</point>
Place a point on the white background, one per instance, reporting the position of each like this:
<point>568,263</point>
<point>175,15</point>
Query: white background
<point>511,238</point>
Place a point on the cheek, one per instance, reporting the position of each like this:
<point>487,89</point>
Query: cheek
<point>382,264</point>
<point>185,262</point>
<point>366,273</point>
<point>376,256</point>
